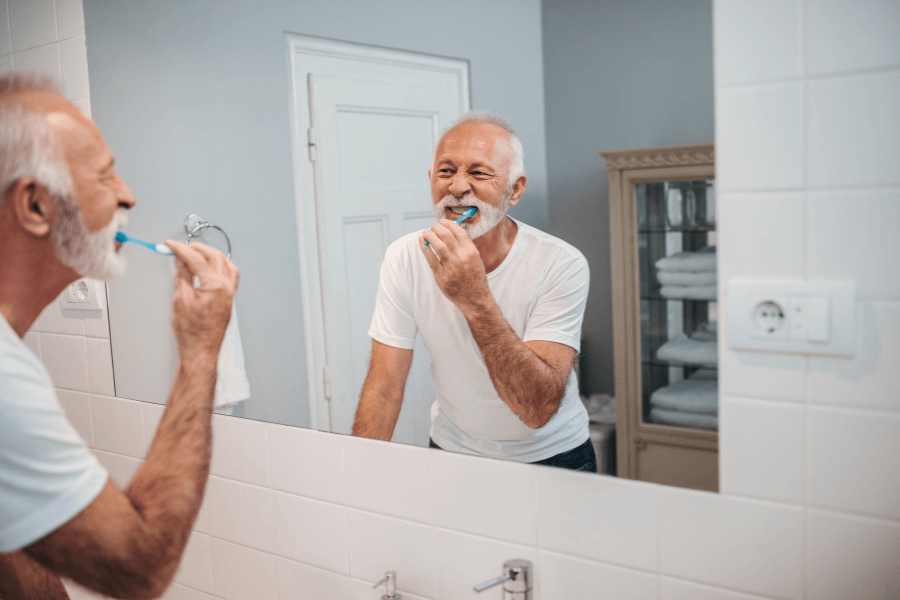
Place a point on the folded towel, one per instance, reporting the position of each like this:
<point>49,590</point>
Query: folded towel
<point>708,374</point>
<point>695,292</point>
<point>688,395</point>
<point>232,385</point>
<point>703,334</point>
<point>683,419</point>
<point>700,260</point>
<point>686,277</point>
<point>681,348</point>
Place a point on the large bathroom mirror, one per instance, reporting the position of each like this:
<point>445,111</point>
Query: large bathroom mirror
<point>211,108</point>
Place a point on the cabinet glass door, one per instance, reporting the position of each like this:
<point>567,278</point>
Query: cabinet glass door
<point>678,318</point>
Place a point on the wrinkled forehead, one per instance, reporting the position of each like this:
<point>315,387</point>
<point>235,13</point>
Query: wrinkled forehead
<point>480,137</point>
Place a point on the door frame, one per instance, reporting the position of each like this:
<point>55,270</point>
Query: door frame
<point>300,49</point>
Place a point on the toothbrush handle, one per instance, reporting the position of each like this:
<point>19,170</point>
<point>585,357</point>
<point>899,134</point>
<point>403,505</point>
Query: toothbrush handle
<point>457,221</point>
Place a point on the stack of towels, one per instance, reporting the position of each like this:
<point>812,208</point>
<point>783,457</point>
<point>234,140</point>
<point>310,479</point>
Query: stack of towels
<point>693,402</point>
<point>688,274</point>
<point>700,348</point>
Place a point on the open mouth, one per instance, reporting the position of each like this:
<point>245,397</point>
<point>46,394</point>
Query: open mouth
<point>459,210</point>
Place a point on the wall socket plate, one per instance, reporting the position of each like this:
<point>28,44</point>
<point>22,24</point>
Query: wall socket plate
<point>816,317</point>
<point>84,294</point>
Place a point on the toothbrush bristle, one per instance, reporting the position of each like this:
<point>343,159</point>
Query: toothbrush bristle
<point>121,237</point>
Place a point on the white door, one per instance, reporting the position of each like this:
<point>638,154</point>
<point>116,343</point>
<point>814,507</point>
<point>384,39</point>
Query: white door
<point>371,137</point>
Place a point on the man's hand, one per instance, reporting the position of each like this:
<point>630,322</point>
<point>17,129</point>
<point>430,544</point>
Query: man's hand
<point>200,313</point>
<point>456,264</point>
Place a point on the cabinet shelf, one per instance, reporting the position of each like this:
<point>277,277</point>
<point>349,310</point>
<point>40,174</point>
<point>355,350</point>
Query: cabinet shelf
<point>694,229</point>
<point>678,364</point>
<point>658,298</point>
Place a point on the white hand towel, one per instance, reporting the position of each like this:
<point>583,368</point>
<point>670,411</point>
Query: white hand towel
<point>686,277</point>
<point>701,260</point>
<point>232,385</point>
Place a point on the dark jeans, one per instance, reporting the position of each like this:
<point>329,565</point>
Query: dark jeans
<point>581,458</point>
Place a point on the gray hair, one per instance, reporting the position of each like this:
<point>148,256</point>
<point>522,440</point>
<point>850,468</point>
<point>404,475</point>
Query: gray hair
<point>516,154</point>
<point>28,143</point>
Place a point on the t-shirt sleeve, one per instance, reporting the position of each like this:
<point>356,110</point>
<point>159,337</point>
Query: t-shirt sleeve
<point>393,323</point>
<point>47,473</point>
<point>559,308</point>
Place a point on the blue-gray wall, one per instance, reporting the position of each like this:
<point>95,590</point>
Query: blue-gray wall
<point>193,97</point>
<point>617,74</point>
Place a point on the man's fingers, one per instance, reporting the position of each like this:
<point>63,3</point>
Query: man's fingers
<point>190,256</point>
<point>430,255</point>
<point>442,229</point>
<point>461,235</point>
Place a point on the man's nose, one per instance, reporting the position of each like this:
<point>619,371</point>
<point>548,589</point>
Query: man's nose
<point>125,197</point>
<point>459,185</point>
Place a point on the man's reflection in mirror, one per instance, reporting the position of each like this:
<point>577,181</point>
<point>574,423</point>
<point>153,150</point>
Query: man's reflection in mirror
<point>499,305</point>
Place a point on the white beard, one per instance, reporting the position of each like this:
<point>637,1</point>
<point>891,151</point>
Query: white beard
<point>90,254</point>
<point>488,216</point>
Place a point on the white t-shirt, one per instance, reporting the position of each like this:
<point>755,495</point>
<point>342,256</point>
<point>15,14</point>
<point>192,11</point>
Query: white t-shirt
<point>541,288</point>
<point>47,473</point>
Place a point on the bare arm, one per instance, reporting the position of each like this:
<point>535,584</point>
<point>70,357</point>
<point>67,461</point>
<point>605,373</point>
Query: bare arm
<point>24,579</point>
<point>382,393</point>
<point>530,377</point>
<point>128,544</point>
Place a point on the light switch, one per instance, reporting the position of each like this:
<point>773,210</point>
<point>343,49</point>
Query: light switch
<point>792,316</point>
<point>818,319</point>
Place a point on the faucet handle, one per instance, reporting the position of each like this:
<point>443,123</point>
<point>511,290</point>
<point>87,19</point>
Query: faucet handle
<point>491,583</point>
<point>518,573</point>
<point>390,586</point>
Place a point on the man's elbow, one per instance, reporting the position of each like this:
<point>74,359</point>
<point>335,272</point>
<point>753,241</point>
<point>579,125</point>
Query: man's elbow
<point>141,579</point>
<point>542,416</point>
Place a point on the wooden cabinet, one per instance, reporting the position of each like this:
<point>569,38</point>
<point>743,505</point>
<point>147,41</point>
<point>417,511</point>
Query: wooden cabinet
<point>665,313</point>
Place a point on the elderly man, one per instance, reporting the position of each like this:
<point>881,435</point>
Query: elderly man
<point>60,515</point>
<point>499,305</point>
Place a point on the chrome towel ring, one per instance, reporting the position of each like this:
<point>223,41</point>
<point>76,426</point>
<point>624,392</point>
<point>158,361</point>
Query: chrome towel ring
<point>194,224</point>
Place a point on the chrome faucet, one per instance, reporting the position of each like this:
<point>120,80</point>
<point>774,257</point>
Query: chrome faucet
<point>390,586</point>
<point>516,580</point>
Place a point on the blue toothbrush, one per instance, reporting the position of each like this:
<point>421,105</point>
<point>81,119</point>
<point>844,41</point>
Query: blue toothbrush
<point>123,237</point>
<point>470,212</point>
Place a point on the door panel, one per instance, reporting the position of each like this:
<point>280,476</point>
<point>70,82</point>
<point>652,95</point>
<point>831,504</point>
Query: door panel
<point>374,145</point>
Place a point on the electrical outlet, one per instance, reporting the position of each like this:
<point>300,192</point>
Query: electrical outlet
<point>84,294</point>
<point>805,317</point>
<point>770,320</point>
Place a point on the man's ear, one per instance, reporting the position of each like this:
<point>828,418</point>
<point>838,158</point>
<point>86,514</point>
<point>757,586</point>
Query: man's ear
<point>33,206</point>
<point>518,189</point>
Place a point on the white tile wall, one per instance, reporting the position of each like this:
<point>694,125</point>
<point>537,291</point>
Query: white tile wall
<point>773,225</point>
<point>240,573</point>
<point>875,211</point>
<point>754,547</point>
<point>759,138</point>
<point>740,59</point>
<point>840,37</point>
<point>763,449</point>
<point>852,557</point>
<point>832,533</point>
<point>854,462</point>
<point>857,151</point>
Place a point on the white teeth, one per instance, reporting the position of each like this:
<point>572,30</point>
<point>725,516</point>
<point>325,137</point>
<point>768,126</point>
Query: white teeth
<point>459,211</point>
